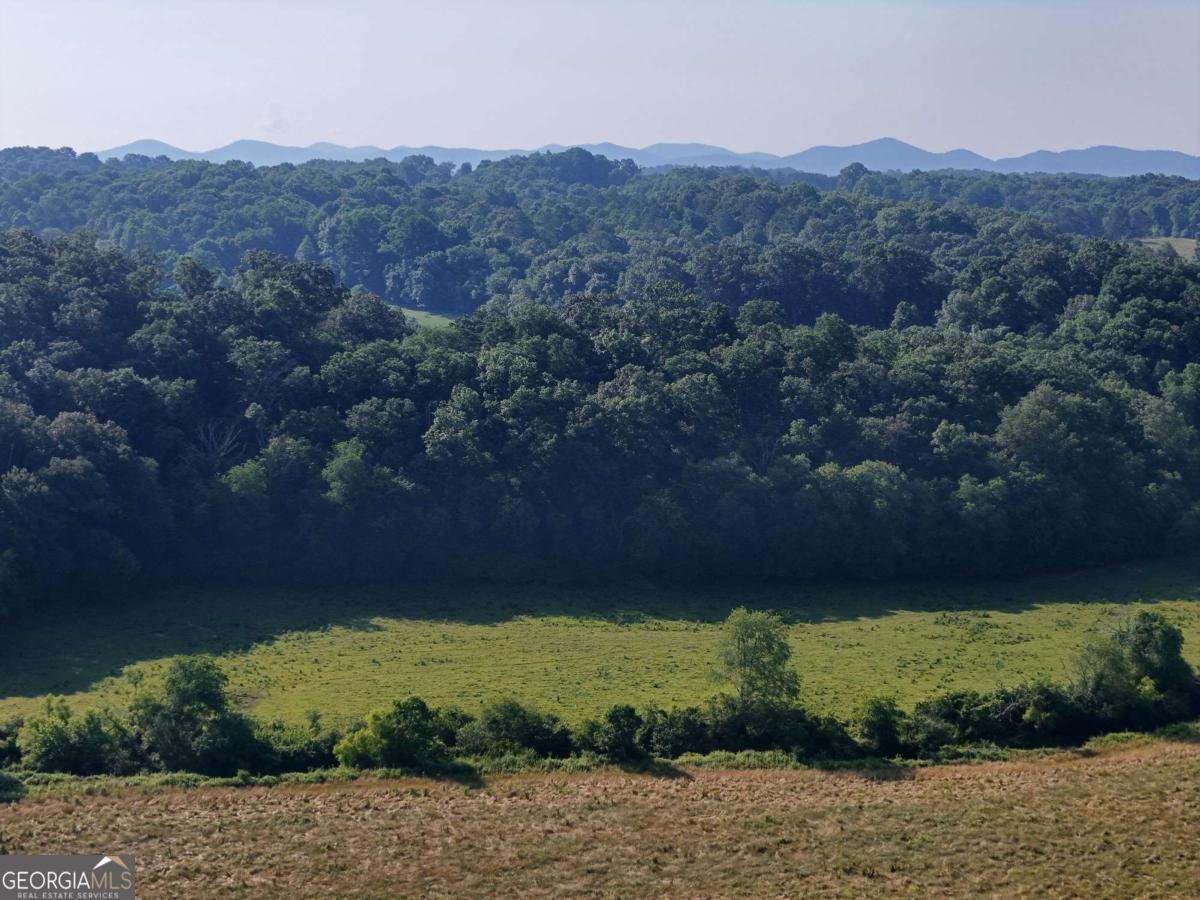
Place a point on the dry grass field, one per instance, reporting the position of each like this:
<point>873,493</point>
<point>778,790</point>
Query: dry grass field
<point>1120,823</point>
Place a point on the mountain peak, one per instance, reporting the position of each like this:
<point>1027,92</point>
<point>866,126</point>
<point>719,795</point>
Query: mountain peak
<point>888,142</point>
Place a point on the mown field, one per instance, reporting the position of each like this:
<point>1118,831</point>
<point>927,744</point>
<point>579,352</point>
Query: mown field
<point>1120,822</point>
<point>1185,247</point>
<point>426,319</point>
<point>575,651</point>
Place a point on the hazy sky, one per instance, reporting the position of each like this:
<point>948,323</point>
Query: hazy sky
<point>1000,78</point>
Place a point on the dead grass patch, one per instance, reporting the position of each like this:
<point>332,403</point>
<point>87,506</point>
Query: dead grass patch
<point>1119,824</point>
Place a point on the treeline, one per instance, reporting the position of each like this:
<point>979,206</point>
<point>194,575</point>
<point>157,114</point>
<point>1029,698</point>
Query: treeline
<point>281,427</point>
<point>1133,679</point>
<point>429,236</point>
<point>1116,208</point>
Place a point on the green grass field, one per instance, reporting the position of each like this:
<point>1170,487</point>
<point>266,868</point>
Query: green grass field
<point>576,651</point>
<point>1185,247</point>
<point>426,319</point>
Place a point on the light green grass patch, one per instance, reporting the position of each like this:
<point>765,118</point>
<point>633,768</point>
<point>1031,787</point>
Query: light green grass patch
<point>578,650</point>
<point>1185,247</point>
<point>426,319</point>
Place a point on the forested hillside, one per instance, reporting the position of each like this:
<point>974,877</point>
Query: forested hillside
<point>432,237</point>
<point>683,375</point>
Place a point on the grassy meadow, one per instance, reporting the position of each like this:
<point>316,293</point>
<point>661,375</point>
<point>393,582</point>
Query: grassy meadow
<point>577,650</point>
<point>1185,247</point>
<point>426,319</point>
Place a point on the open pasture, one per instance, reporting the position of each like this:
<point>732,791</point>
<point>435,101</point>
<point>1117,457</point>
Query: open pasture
<point>577,650</point>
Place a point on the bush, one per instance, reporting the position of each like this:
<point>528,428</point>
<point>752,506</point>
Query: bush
<point>669,733</point>
<point>737,726</point>
<point>96,743</point>
<point>508,727</point>
<point>1137,678</point>
<point>615,737</point>
<point>1154,648</point>
<point>1028,715</point>
<point>10,751</point>
<point>12,788</point>
<point>1049,715</point>
<point>295,748</point>
<point>880,726</point>
<point>451,720</point>
<point>191,727</point>
<point>472,739</point>
<point>406,736</point>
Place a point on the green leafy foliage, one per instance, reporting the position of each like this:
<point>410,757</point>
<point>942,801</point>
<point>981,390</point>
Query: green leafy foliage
<point>879,726</point>
<point>191,727</point>
<point>409,735</point>
<point>754,658</point>
<point>677,375</point>
<point>506,726</point>
<point>94,743</point>
<point>1134,678</point>
<point>616,736</point>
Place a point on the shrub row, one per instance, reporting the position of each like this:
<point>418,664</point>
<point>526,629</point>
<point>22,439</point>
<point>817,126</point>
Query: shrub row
<point>188,727</point>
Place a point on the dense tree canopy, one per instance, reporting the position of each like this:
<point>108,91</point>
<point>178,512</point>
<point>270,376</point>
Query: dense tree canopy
<point>425,235</point>
<point>685,375</point>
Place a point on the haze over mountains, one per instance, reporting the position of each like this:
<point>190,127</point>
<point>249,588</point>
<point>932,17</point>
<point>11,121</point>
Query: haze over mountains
<point>882,155</point>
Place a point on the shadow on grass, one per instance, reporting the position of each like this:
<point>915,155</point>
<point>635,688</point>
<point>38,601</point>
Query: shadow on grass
<point>87,641</point>
<point>461,773</point>
<point>456,771</point>
<point>12,788</point>
<point>868,769</point>
<point>1180,732</point>
<point>361,623</point>
<point>656,768</point>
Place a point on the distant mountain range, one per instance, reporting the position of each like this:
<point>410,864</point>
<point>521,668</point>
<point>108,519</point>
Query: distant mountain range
<point>882,155</point>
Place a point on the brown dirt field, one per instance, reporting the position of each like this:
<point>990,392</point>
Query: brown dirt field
<point>1122,824</point>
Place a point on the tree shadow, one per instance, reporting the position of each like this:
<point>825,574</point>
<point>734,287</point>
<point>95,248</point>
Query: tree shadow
<point>1180,733</point>
<point>656,768</point>
<point>461,773</point>
<point>71,647</point>
<point>869,769</point>
<point>12,788</point>
<point>361,623</point>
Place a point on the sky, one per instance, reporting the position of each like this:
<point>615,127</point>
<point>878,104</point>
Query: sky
<point>1002,78</point>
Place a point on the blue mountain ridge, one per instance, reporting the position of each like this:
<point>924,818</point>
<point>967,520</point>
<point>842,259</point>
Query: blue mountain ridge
<point>884,154</point>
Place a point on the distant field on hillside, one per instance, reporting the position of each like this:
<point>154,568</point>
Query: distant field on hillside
<point>427,319</point>
<point>1120,823</point>
<point>576,651</point>
<point>1185,247</point>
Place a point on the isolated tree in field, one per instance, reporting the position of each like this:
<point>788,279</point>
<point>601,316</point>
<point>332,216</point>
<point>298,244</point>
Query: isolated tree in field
<point>754,658</point>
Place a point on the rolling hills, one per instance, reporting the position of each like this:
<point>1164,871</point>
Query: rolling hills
<point>884,154</point>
